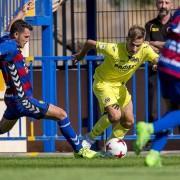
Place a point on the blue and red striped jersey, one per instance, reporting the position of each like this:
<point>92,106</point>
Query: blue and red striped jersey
<point>169,60</point>
<point>14,70</point>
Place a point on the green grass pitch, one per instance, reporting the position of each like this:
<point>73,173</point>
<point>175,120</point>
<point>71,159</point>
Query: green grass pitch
<point>62,168</point>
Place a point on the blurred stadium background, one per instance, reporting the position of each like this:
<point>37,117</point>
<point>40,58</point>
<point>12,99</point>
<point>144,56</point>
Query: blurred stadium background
<point>59,35</point>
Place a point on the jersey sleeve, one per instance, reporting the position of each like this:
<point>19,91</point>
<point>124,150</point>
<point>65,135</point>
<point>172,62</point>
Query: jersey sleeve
<point>107,49</point>
<point>8,47</point>
<point>151,55</point>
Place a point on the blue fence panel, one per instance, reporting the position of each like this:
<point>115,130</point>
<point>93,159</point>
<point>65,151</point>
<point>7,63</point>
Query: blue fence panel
<point>79,99</point>
<point>51,135</point>
<point>90,60</point>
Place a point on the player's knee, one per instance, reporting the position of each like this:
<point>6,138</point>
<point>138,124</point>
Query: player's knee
<point>128,122</point>
<point>56,112</point>
<point>114,113</point>
<point>62,114</point>
<point>114,116</point>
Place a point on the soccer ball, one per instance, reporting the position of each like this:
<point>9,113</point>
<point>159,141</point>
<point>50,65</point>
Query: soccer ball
<point>116,147</point>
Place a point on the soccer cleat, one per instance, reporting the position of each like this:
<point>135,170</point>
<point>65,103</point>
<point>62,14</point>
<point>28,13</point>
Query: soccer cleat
<point>107,155</point>
<point>87,141</point>
<point>144,131</point>
<point>87,153</point>
<point>153,159</point>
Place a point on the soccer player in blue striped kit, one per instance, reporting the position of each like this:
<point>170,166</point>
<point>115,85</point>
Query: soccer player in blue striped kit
<point>19,97</point>
<point>169,73</point>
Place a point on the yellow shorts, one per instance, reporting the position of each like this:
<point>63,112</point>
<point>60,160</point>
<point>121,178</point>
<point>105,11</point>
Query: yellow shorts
<point>111,93</point>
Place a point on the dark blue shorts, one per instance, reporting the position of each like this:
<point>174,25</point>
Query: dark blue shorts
<point>170,87</point>
<point>29,107</point>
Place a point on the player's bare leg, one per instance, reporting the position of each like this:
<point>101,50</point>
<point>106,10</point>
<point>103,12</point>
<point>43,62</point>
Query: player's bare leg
<point>126,122</point>
<point>59,115</point>
<point>6,125</point>
<point>112,115</point>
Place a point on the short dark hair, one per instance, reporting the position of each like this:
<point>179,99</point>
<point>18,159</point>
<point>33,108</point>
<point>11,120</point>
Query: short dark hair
<point>19,26</point>
<point>136,32</point>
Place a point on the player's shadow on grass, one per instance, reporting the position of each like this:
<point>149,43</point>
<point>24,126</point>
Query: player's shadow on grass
<point>58,162</point>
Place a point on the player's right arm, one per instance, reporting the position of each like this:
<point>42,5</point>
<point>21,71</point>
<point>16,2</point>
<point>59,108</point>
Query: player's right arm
<point>21,14</point>
<point>8,47</point>
<point>90,44</point>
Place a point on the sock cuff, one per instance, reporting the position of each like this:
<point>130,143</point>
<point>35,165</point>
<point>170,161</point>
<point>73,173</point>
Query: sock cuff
<point>63,123</point>
<point>125,129</point>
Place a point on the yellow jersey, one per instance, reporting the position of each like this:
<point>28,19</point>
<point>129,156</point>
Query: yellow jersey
<point>118,66</point>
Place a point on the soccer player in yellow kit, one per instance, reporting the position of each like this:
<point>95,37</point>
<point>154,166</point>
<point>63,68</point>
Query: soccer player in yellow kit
<point>121,60</point>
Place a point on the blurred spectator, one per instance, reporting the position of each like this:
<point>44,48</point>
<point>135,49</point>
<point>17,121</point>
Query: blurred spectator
<point>156,34</point>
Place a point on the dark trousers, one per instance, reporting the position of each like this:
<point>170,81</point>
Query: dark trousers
<point>152,92</point>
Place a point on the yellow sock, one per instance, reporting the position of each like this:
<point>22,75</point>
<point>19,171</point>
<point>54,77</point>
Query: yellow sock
<point>119,131</point>
<point>100,126</point>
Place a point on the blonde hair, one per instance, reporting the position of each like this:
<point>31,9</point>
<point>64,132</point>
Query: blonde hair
<point>136,32</point>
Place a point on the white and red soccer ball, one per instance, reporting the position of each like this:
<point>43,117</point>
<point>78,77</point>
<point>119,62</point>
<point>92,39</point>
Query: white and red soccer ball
<point>116,147</point>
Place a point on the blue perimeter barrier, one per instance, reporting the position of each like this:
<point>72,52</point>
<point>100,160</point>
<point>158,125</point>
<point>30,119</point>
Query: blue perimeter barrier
<point>52,135</point>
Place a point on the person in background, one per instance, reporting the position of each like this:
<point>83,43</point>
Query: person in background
<point>156,35</point>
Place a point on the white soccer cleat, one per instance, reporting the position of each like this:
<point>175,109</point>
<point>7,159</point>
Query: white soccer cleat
<point>87,142</point>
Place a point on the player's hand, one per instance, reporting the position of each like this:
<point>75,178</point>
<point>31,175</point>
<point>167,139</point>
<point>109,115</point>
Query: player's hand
<point>154,67</point>
<point>77,57</point>
<point>28,6</point>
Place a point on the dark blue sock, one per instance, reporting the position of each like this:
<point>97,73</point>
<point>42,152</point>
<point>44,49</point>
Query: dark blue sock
<point>160,141</point>
<point>161,127</point>
<point>69,133</point>
<point>168,121</point>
